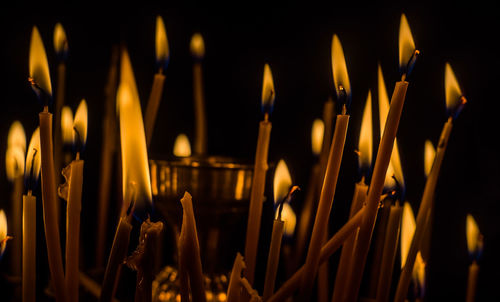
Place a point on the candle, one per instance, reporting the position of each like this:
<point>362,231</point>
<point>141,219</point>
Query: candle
<point>475,248</point>
<point>455,102</point>
<point>3,233</point>
<point>320,226</point>
<point>14,168</point>
<point>182,147</point>
<point>197,47</point>
<point>40,80</point>
<point>234,286</point>
<point>189,248</point>
<point>406,59</point>
<point>259,176</point>
<point>162,59</point>
<point>429,154</point>
<point>108,149</point>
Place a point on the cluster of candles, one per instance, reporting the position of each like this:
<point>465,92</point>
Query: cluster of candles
<point>379,220</point>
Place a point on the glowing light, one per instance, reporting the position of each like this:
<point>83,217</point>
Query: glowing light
<point>80,124</point>
<point>406,43</point>
<point>16,147</point>
<point>16,137</point>
<point>290,219</point>
<point>182,147</point>
<point>339,68</point>
<point>67,125</point>
<point>60,40</point>
<point>474,244</point>
<point>162,49</point>
<point>3,232</point>
<point>197,46</point>
<point>33,158</point>
<point>408,226</point>
<point>39,67</point>
<point>429,154</point>
<point>365,145</point>
<point>268,93</point>
<point>282,181</point>
<point>317,133</point>
<point>453,93</point>
<point>418,273</point>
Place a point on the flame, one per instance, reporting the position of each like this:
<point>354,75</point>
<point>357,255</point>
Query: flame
<point>162,50</point>
<point>268,93</point>
<point>80,124</point>
<point>429,154</point>
<point>418,273</point>
<point>453,93</point>
<point>473,235</point>
<point>3,232</point>
<point>182,147</point>
<point>408,226</point>
<point>394,168</point>
<point>197,46</point>
<point>60,40</point>
<point>135,167</point>
<point>406,43</point>
<point>39,67</point>
<point>317,133</point>
<point>365,145</point>
<point>33,158</point>
<point>16,147</point>
<point>339,68</point>
<point>67,125</point>
<point>289,217</point>
<point>17,137</point>
<point>282,181</point>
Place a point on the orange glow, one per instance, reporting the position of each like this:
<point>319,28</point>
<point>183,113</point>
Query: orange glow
<point>135,166</point>
<point>197,46</point>
<point>474,241</point>
<point>33,158</point>
<point>39,67</point>
<point>453,92</point>
<point>16,147</point>
<point>429,154</point>
<point>182,147</point>
<point>60,40</point>
<point>268,93</point>
<point>67,125</point>
<point>317,133</point>
<point>418,273</point>
<point>289,217</point>
<point>3,232</point>
<point>339,68</point>
<point>17,137</point>
<point>408,226</point>
<point>365,145</point>
<point>406,43</point>
<point>80,124</point>
<point>282,181</point>
<point>162,50</point>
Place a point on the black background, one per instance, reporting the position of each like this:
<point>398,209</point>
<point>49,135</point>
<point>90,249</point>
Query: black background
<point>295,40</point>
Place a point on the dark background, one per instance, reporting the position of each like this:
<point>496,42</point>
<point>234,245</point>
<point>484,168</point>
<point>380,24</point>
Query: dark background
<point>295,40</point>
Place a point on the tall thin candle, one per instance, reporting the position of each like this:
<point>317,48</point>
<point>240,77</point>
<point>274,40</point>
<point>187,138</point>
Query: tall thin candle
<point>475,248</point>
<point>197,48</point>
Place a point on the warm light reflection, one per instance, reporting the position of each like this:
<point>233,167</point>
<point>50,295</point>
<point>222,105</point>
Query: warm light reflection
<point>365,145</point>
<point>16,147</point>
<point>429,154</point>
<point>80,124</point>
<point>60,40</point>
<point>33,157</point>
<point>3,232</point>
<point>67,125</point>
<point>339,68</point>
<point>394,168</point>
<point>289,217</point>
<point>317,133</point>
<point>182,147</point>
<point>162,50</point>
<point>473,235</point>
<point>418,273</point>
<point>453,93</point>
<point>135,166</point>
<point>39,67</point>
<point>406,43</point>
<point>197,46</point>
<point>282,182</point>
<point>408,226</point>
<point>268,93</point>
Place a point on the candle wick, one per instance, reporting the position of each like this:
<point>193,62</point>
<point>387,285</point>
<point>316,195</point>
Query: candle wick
<point>344,109</point>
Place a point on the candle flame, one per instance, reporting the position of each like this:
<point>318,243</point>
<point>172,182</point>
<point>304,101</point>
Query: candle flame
<point>39,67</point>
<point>289,217</point>
<point>339,69</point>
<point>80,124</point>
<point>182,147</point>
<point>394,169</point>
<point>197,46</point>
<point>317,133</point>
<point>33,157</point>
<point>429,154</point>
<point>16,147</point>
<point>474,237</point>
<point>60,40</point>
<point>67,125</point>
<point>135,167</point>
<point>408,226</point>
<point>162,49</point>
<point>418,273</point>
<point>3,232</point>
<point>406,44</point>
<point>268,93</point>
<point>17,137</point>
<point>454,97</point>
<point>282,182</point>
<point>365,145</point>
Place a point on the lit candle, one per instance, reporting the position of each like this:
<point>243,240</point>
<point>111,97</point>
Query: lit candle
<point>29,219</point>
<point>40,82</point>
<point>189,249</point>
<point>429,155</point>
<point>365,150</point>
<point>259,176</point>
<point>71,191</point>
<point>197,48</point>
<point>407,57</point>
<point>162,59</point>
<point>3,233</point>
<point>455,102</point>
<point>182,147</point>
<point>67,134</point>
<point>475,247</point>
<point>343,89</point>
<point>14,166</point>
